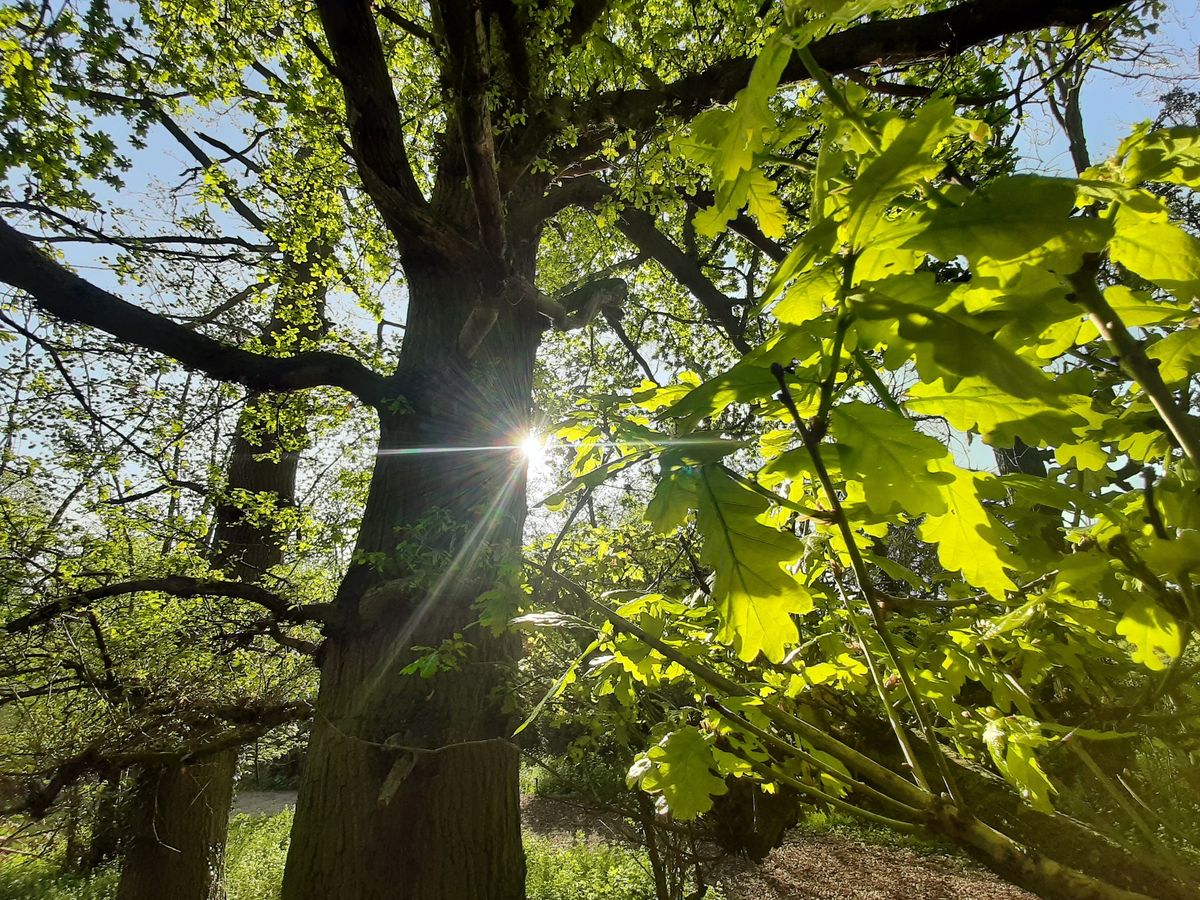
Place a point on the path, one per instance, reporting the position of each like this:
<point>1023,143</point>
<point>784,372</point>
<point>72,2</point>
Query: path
<point>807,867</point>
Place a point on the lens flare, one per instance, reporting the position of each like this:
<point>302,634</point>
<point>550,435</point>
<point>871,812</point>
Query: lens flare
<point>533,447</point>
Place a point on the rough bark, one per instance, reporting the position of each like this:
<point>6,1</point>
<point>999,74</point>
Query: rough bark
<point>410,784</point>
<point>176,846</point>
<point>749,821</point>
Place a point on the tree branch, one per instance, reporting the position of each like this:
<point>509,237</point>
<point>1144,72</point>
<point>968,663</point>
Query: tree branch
<point>878,42</point>
<point>176,586</point>
<point>377,131</point>
<point>406,24</point>
<point>64,295</point>
<point>639,226</point>
<point>466,43</point>
<point>258,721</point>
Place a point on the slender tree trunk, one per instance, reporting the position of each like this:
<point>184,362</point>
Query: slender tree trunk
<point>410,785</point>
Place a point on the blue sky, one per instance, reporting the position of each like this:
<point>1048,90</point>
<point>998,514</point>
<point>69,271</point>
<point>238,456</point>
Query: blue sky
<point>1118,95</point>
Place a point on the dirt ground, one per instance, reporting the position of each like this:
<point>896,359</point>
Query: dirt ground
<point>807,867</point>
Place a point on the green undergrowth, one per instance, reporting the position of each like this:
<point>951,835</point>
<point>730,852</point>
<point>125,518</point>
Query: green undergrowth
<point>577,870</point>
<point>582,870</point>
<point>22,878</point>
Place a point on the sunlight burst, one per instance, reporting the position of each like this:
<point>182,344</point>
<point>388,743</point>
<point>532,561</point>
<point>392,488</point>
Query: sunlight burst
<point>533,446</point>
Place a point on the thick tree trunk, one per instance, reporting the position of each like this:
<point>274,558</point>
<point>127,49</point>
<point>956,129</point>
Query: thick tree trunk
<point>410,785</point>
<point>176,845</point>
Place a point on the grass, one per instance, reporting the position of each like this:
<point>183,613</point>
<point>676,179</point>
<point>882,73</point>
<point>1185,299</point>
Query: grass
<point>258,847</point>
<point>257,850</point>
<point>576,869</point>
<point>585,871</point>
<point>39,879</point>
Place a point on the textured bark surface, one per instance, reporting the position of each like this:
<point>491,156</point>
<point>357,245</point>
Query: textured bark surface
<point>410,784</point>
<point>177,831</point>
<point>751,822</point>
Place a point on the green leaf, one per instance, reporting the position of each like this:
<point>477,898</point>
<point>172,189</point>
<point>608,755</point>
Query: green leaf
<point>1088,455</point>
<point>765,206</point>
<point>1169,154</point>
<point>1021,217</point>
<point>976,404</point>
<point>1174,556</point>
<point>818,243</point>
<point>1153,632</point>
<point>754,597</point>
<point>1138,308</point>
<point>681,768</point>
<point>1157,250</point>
<point>1010,741</point>
<point>903,163</point>
<point>749,380</point>
<point>674,495</point>
<point>1178,355</point>
<point>968,538</point>
<point>891,458</point>
<point>946,345</point>
<point>728,140</point>
<point>805,298</point>
<point>591,478</point>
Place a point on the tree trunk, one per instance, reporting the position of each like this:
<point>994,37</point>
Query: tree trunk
<point>176,847</point>
<point>410,788</point>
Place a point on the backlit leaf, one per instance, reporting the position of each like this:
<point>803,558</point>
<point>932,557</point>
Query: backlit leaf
<point>755,598</point>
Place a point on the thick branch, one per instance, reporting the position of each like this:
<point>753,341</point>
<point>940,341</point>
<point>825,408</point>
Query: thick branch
<point>466,42</point>
<point>377,130</point>
<point>579,307</point>
<point>176,586</point>
<point>64,295</point>
<point>879,42</point>
<point>372,111</point>
<point>406,24</point>
<point>40,797</point>
<point>639,227</point>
